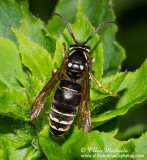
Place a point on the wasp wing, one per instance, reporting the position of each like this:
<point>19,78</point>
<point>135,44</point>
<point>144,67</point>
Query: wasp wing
<point>44,94</point>
<point>85,114</point>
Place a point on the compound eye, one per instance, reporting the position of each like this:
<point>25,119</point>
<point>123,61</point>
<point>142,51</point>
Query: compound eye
<point>69,64</point>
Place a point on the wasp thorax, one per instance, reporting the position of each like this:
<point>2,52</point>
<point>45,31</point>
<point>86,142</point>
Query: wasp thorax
<point>76,63</point>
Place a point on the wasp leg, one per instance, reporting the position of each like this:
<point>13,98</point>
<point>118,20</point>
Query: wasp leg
<point>92,59</point>
<point>54,71</point>
<point>90,77</point>
<point>100,86</point>
<point>28,101</point>
<point>64,49</point>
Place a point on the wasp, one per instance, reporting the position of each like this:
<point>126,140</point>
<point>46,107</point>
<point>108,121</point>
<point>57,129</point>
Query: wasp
<point>73,90</point>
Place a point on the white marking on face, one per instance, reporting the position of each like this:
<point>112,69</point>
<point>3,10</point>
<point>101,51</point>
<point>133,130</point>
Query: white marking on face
<point>85,55</point>
<point>71,48</point>
<point>87,50</point>
<point>69,64</point>
<point>71,52</point>
<point>81,67</point>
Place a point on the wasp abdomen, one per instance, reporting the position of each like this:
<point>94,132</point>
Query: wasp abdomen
<point>64,107</point>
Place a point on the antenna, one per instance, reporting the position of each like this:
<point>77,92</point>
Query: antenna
<point>97,29</point>
<point>67,25</point>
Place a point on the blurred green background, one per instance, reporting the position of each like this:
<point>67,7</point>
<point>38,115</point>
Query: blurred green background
<point>131,16</point>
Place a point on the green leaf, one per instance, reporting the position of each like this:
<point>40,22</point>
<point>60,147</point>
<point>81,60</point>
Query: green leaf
<point>16,141</point>
<point>111,83</point>
<point>55,26</point>
<point>16,14</point>
<point>133,131</point>
<point>39,63</point>
<point>12,95</point>
<point>10,14</point>
<point>133,90</point>
<point>12,104</point>
<point>37,59</point>
<point>141,146</point>
<point>102,101</point>
<point>97,12</point>
<point>78,145</point>
<point>33,28</point>
<point>111,126</point>
<point>50,147</point>
<point>10,66</point>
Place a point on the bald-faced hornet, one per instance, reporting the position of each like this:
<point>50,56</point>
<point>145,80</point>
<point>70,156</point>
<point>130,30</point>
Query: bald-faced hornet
<point>73,90</point>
